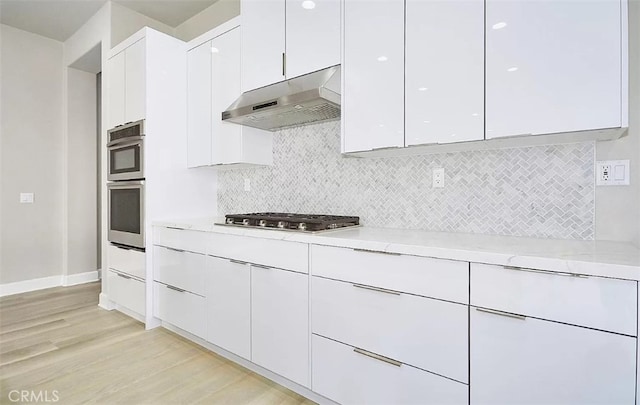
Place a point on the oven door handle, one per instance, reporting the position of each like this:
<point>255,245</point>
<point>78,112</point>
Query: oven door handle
<point>130,140</point>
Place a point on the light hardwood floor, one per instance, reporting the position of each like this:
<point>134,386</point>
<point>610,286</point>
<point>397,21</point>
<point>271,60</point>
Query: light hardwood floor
<point>60,340</point>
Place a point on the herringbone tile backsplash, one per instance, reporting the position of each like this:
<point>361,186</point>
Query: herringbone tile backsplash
<point>545,191</point>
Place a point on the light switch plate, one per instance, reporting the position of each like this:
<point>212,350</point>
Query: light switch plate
<point>612,173</point>
<point>26,198</point>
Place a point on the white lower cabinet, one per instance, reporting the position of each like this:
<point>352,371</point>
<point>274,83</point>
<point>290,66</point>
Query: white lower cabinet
<point>518,360</point>
<point>180,308</point>
<point>427,333</point>
<point>349,375</point>
<point>126,291</point>
<point>280,322</point>
<point>229,305</point>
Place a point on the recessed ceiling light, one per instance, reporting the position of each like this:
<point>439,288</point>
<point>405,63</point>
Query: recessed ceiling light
<point>512,69</point>
<point>426,122</point>
<point>422,89</point>
<point>381,125</point>
<point>498,26</point>
<point>308,5</point>
<point>475,114</point>
<point>214,49</point>
<point>382,58</point>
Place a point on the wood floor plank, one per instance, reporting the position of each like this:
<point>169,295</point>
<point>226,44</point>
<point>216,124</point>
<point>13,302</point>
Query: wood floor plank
<point>60,340</point>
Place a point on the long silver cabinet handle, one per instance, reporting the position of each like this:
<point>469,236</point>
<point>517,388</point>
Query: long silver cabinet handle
<point>378,289</point>
<point>238,261</point>
<point>174,249</point>
<point>174,227</point>
<point>500,313</point>
<point>378,357</point>
<point>557,273</point>
<point>261,266</point>
<point>176,288</point>
<point>376,251</point>
<point>123,276</point>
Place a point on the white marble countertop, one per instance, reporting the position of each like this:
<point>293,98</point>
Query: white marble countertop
<point>598,258</point>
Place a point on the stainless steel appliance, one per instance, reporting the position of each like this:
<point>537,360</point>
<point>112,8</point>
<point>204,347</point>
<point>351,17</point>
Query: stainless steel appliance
<point>126,152</point>
<point>291,222</point>
<point>307,99</point>
<point>126,213</point>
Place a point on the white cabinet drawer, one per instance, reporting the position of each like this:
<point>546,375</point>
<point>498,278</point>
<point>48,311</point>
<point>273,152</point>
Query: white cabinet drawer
<point>183,239</point>
<point>594,302</point>
<point>126,291</point>
<point>181,269</point>
<point>423,332</point>
<point>443,279</point>
<point>349,377</point>
<point>292,256</point>
<point>180,308</point>
<point>531,361</point>
<point>126,260</point>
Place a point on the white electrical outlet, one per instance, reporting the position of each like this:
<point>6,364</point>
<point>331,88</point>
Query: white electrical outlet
<point>438,178</point>
<point>26,198</point>
<point>612,173</point>
<point>247,184</point>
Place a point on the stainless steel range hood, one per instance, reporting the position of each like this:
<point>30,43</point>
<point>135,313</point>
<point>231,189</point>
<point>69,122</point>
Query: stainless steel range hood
<point>307,99</point>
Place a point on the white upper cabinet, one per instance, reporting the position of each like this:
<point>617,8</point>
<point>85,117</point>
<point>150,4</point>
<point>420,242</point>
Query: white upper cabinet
<point>444,71</point>
<point>199,105</point>
<point>312,35</point>
<point>127,85</point>
<point>373,75</point>
<point>135,80</point>
<point>213,84</point>
<point>282,39</point>
<point>115,90</point>
<point>263,46</point>
<point>552,66</point>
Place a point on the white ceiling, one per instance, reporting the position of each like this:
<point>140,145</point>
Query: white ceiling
<point>59,19</point>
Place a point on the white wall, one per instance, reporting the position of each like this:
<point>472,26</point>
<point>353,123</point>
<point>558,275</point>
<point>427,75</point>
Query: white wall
<point>31,123</point>
<point>82,187</point>
<point>618,207</point>
<point>211,17</point>
<point>125,22</point>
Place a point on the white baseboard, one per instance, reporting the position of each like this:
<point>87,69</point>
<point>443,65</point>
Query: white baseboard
<point>105,303</point>
<point>47,282</point>
<point>30,285</point>
<point>80,278</point>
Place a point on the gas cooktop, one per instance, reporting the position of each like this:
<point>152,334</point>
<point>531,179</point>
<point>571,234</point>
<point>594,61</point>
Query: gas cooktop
<point>291,222</point>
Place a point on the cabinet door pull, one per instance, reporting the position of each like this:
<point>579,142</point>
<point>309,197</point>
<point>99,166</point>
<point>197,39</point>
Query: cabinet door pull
<point>123,276</point>
<point>176,288</point>
<point>237,261</point>
<point>175,227</point>
<point>506,314</point>
<point>284,64</point>
<point>174,249</point>
<point>557,273</point>
<point>261,266</point>
<point>378,357</point>
<point>378,289</point>
<point>376,251</point>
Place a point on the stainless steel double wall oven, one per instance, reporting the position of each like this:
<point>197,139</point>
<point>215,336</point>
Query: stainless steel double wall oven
<point>125,164</point>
